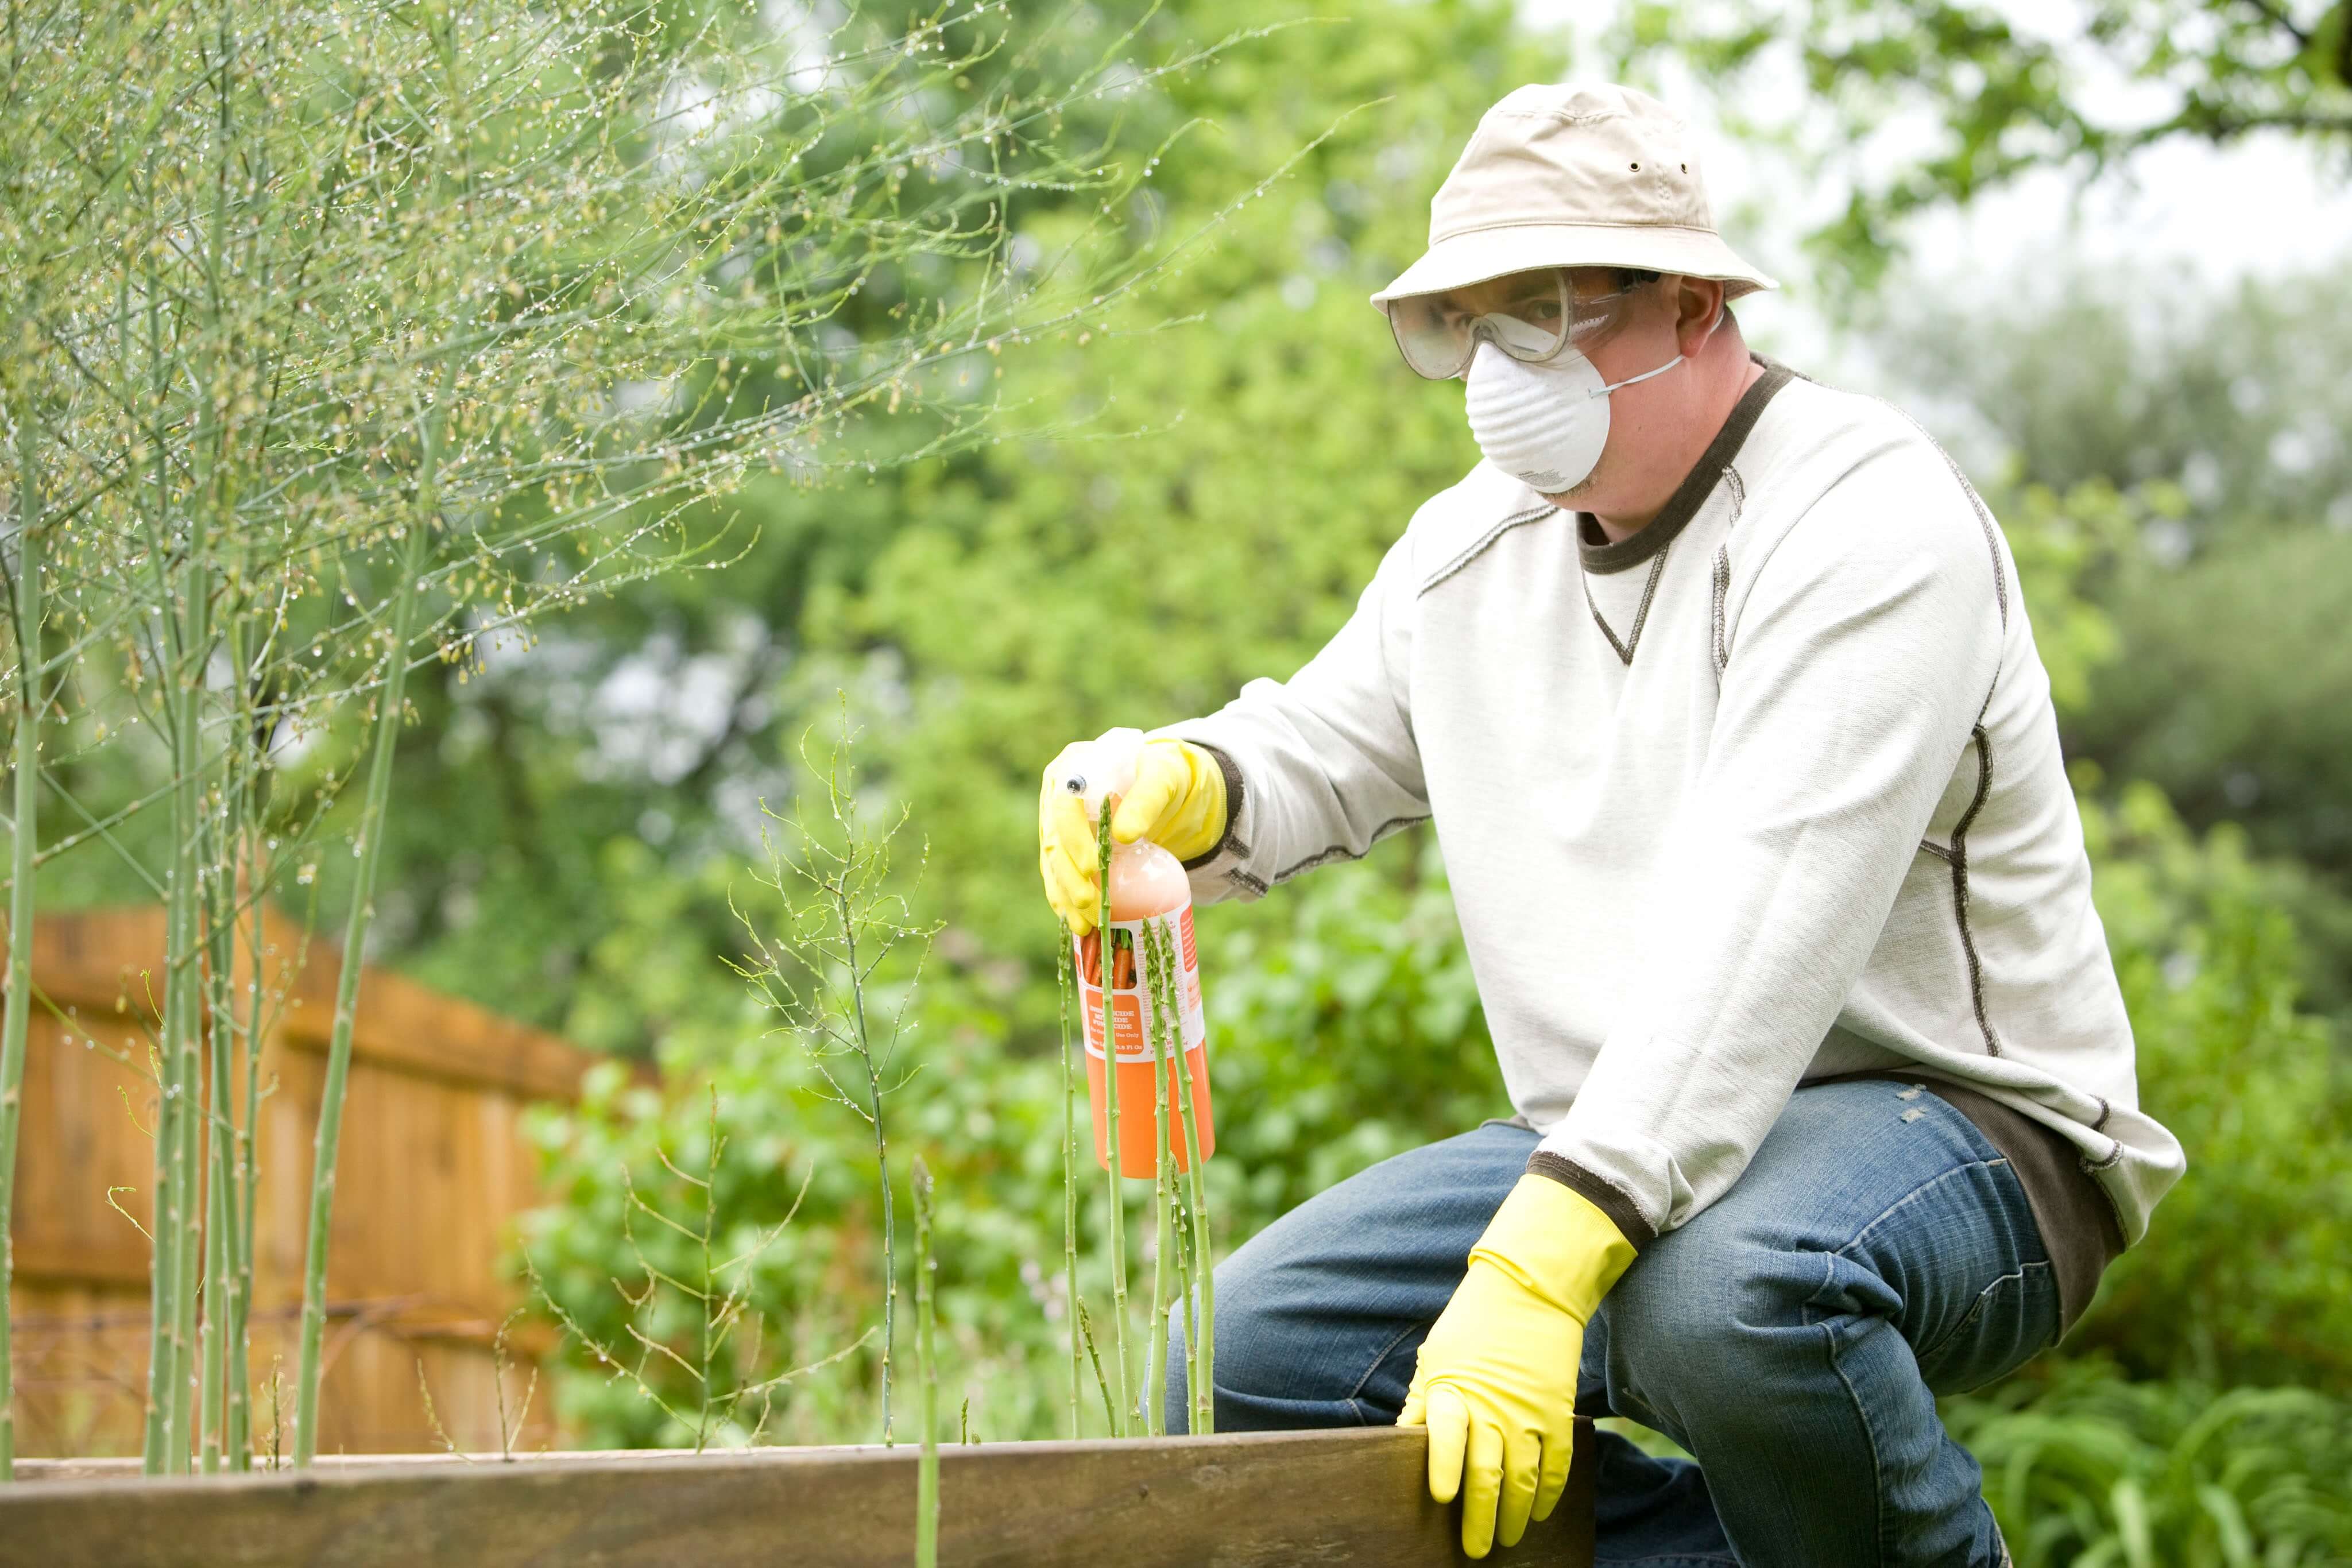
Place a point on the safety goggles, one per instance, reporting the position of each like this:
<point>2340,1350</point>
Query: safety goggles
<point>1540,315</point>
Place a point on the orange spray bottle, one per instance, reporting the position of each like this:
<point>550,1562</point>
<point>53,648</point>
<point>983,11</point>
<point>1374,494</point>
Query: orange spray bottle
<point>1148,885</point>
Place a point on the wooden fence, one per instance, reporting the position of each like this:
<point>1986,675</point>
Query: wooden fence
<point>433,1169</point>
<point>1247,1501</point>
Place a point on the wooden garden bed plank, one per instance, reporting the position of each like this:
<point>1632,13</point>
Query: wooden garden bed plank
<point>1253,1501</point>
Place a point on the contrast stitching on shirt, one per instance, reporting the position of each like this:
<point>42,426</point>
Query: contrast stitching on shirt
<point>1480,546</point>
<point>1738,489</point>
<point>2091,1169</point>
<point>1641,616</point>
<point>1959,857</point>
<point>1254,885</point>
<point>1933,848</point>
<point>1722,586</point>
<point>1342,852</point>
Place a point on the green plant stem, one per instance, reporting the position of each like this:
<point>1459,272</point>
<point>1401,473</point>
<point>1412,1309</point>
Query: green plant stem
<point>1201,1352</point>
<point>1105,969</point>
<point>15,1023</point>
<point>222,1213</point>
<point>347,989</point>
<point>1163,1000</point>
<point>234,1030</point>
<point>1086,1329</point>
<point>219,1222</point>
<point>185,956</point>
<point>182,1008</point>
<point>1165,992</point>
<point>1185,1239</point>
<point>1069,1179</point>
<point>881,1148</point>
<point>238,1439</point>
<point>927,1483</point>
<point>163,1271</point>
<point>1163,1189</point>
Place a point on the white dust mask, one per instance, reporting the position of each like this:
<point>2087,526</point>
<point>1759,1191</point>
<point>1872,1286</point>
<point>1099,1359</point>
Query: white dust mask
<point>1544,423</point>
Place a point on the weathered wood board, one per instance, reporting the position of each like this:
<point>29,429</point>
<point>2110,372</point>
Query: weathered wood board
<point>1244,1500</point>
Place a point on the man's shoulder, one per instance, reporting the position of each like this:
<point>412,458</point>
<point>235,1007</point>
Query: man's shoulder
<point>1848,471</point>
<point>1456,525</point>
<point>1811,426</point>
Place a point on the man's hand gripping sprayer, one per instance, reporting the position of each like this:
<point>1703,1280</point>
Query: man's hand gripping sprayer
<point>1114,816</point>
<point>1156,794</point>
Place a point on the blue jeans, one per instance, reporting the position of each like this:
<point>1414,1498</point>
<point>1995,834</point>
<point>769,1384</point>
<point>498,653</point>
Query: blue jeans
<point>1794,1337</point>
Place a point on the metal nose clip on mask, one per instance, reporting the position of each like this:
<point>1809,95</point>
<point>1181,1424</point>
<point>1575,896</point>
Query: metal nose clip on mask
<point>1544,423</point>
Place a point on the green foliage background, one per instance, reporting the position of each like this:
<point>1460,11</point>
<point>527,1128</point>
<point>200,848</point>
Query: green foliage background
<point>1239,447</point>
<point>1236,480</point>
<point>1190,491</point>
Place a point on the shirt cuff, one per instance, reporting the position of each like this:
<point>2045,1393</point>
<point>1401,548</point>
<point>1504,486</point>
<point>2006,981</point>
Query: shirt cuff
<point>1235,795</point>
<point>1600,1194</point>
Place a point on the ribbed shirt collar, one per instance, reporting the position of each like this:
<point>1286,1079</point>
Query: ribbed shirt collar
<point>1602,557</point>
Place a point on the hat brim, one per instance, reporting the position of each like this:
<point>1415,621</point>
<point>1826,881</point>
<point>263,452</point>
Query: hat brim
<point>1460,260</point>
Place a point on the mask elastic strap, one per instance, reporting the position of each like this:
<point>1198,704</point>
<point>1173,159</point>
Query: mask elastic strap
<point>1670,364</point>
<point>1629,381</point>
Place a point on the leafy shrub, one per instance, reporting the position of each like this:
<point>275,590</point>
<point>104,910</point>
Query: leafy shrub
<point>1353,1036</point>
<point>2246,1275</point>
<point>2092,1469</point>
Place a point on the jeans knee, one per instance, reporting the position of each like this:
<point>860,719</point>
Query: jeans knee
<point>1257,1351</point>
<point>1696,1317</point>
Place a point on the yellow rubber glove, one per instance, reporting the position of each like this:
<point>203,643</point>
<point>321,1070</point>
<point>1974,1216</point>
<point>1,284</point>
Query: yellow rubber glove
<point>1495,1382</point>
<point>1178,801</point>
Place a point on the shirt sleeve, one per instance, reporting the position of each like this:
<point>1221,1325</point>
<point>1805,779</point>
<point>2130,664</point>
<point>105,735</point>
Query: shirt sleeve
<point>1323,766</point>
<point>1863,659</point>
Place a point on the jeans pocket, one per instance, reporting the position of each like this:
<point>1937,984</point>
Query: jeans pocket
<point>2012,1319</point>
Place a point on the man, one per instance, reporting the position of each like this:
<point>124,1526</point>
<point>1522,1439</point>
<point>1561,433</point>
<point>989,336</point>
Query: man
<point>1719,689</point>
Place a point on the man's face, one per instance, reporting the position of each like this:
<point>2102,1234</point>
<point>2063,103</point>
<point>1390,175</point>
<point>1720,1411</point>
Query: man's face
<point>1626,331</point>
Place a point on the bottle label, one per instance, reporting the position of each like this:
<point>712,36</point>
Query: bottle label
<point>1132,1006</point>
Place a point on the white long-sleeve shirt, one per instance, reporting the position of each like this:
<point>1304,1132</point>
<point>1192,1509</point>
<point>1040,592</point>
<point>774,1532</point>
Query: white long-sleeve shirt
<point>1768,792</point>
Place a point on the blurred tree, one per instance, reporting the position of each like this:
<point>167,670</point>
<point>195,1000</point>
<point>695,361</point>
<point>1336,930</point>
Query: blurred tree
<point>2006,89</point>
<point>2237,700</point>
<point>1243,423</point>
<point>2135,375</point>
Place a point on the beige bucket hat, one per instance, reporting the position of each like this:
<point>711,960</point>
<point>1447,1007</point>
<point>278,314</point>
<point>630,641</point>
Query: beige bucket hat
<point>1574,176</point>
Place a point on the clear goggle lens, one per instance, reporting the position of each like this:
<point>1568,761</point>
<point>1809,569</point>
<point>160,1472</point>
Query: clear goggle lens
<point>1539,316</point>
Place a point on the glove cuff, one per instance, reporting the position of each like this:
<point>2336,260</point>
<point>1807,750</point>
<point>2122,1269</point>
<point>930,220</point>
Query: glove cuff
<point>1557,1244</point>
<point>1200,806</point>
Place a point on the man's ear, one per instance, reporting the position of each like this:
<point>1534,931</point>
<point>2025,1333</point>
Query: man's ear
<point>1699,302</point>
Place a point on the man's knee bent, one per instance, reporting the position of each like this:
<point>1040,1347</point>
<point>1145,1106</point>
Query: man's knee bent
<point>1703,1311</point>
